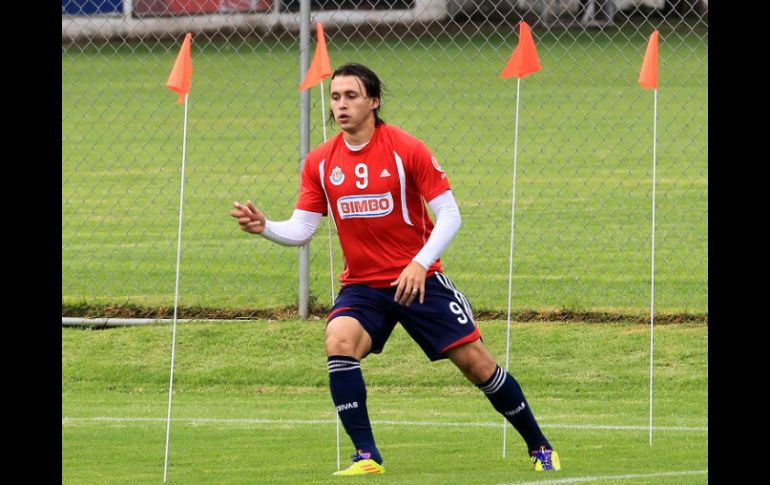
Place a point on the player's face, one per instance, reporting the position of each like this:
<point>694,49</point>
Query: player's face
<point>352,109</point>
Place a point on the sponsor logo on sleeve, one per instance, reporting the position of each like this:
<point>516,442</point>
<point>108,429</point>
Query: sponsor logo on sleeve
<point>370,205</point>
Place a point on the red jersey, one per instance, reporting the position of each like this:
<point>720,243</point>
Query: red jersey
<point>377,196</point>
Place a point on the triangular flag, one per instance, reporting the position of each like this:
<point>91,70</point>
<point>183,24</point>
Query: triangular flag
<point>320,68</point>
<point>648,77</point>
<point>524,60</point>
<point>181,74</point>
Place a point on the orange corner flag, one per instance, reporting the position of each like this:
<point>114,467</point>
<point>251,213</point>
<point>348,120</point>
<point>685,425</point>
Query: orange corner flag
<point>524,60</point>
<point>648,77</point>
<point>181,74</point>
<point>320,68</point>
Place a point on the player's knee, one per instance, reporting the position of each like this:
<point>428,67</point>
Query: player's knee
<point>339,344</point>
<point>345,336</point>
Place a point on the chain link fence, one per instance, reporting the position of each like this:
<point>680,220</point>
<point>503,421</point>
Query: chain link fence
<point>584,189</point>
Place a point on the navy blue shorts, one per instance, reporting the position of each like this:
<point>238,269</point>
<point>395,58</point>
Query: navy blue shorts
<point>443,321</point>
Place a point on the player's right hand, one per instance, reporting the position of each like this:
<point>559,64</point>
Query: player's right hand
<point>249,217</point>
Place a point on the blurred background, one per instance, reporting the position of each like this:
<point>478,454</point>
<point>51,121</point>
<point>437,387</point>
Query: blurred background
<point>585,150</point>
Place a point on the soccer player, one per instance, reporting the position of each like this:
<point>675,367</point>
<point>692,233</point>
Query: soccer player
<point>374,178</point>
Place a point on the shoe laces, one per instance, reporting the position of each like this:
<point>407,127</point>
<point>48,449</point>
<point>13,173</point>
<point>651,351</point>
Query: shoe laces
<point>361,455</point>
<point>544,456</point>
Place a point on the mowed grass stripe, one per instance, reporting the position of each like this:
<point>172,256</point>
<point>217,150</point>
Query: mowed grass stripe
<point>229,374</point>
<point>612,477</point>
<point>301,422</point>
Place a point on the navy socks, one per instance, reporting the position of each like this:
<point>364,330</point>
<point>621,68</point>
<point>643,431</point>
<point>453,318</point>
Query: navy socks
<point>348,391</point>
<point>508,399</point>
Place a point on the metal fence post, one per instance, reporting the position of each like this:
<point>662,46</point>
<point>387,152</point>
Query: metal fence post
<point>304,147</point>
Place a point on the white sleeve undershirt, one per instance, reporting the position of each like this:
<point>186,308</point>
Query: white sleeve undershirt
<point>448,222</point>
<point>295,231</point>
<point>299,229</point>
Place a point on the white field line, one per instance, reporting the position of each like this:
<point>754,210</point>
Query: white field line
<point>66,420</point>
<point>611,477</point>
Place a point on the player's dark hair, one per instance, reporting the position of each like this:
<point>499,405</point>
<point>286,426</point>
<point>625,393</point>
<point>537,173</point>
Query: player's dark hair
<point>369,79</point>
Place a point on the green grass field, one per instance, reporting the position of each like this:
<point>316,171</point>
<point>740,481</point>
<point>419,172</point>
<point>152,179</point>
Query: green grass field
<point>251,405</point>
<point>584,169</point>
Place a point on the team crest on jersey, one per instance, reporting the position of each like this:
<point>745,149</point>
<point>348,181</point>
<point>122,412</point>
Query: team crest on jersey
<point>337,177</point>
<point>436,165</point>
<point>370,205</point>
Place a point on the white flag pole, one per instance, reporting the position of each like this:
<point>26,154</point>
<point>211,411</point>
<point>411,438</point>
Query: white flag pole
<point>176,287</point>
<point>652,257</point>
<point>329,220</point>
<point>330,216</point>
<point>510,253</point>
<point>323,110</point>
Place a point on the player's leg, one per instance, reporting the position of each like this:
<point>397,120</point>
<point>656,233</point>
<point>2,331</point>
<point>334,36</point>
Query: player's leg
<point>346,344</point>
<point>478,366</point>
<point>345,336</point>
<point>355,329</point>
<point>444,327</point>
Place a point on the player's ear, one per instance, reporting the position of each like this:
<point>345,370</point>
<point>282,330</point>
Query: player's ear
<point>375,103</point>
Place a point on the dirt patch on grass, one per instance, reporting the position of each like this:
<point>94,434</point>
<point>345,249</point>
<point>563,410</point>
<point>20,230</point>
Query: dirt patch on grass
<point>85,310</point>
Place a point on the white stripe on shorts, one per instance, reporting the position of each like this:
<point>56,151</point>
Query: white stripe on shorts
<point>447,283</point>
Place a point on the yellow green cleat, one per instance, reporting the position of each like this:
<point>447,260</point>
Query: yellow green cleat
<point>544,459</point>
<point>362,465</point>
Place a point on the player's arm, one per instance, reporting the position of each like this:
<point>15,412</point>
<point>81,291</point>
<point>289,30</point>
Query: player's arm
<point>295,231</point>
<point>448,222</point>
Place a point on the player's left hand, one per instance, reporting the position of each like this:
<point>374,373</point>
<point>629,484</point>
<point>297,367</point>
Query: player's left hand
<point>411,282</point>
